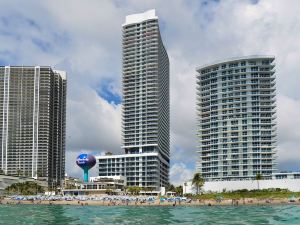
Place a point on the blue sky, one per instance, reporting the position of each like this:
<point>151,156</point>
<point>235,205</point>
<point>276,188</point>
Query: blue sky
<point>106,90</point>
<point>85,40</point>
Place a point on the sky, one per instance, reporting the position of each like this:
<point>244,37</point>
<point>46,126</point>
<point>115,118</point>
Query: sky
<point>84,39</point>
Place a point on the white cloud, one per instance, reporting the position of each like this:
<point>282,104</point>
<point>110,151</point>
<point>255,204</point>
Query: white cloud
<point>183,108</point>
<point>288,133</point>
<point>180,173</point>
<point>95,124</point>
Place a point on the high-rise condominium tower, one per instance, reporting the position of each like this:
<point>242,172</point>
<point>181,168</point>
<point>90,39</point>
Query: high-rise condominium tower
<point>236,109</point>
<point>32,125</point>
<point>145,86</point>
<point>145,106</point>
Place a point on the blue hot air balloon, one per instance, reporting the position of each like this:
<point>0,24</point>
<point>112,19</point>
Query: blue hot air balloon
<point>86,162</point>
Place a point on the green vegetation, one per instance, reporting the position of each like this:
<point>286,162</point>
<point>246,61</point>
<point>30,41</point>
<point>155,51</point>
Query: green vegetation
<point>148,189</point>
<point>170,187</point>
<point>134,190</point>
<point>198,181</point>
<point>179,190</point>
<point>109,192</point>
<point>26,188</point>
<point>241,194</point>
<point>70,186</point>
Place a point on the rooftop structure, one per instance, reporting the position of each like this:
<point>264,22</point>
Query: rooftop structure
<point>140,17</point>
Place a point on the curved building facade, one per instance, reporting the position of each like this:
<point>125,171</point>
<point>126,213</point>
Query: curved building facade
<point>236,115</point>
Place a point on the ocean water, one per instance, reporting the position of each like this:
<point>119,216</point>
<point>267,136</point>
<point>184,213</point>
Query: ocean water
<point>147,215</point>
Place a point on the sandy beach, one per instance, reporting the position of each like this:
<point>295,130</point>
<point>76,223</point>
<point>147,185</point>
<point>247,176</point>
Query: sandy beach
<point>225,202</point>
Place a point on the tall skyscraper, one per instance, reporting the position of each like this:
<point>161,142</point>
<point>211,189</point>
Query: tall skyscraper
<point>145,102</point>
<point>33,122</point>
<point>236,111</point>
<point>145,86</point>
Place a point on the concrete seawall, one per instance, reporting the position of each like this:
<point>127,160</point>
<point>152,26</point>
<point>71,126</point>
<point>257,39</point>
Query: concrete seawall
<point>219,186</point>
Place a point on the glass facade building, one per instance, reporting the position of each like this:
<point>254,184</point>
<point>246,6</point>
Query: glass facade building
<point>145,113</point>
<point>145,86</point>
<point>32,125</point>
<point>141,169</point>
<point>236,116</point>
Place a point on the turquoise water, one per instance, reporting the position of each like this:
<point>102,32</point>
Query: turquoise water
<point>57,214</point>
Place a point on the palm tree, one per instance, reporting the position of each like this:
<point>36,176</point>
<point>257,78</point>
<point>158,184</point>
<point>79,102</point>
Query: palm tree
<point>137,190</point>
<point>258,177</point>
<point>179,190</point>
<point>198,181</point>
<point>134,190</point>
<point>171,187</point>
<point>26,188</point>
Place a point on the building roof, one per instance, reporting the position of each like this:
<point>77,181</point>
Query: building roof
<point>62,73</point>
<point>235,59</point>
<point>126,155</point>
<point>140,17</point>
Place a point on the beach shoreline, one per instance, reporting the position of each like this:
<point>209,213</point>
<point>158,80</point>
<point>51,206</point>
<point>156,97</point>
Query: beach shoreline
<point>225,202</point>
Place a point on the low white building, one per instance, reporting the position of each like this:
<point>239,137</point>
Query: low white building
<point>290,181</point>
<point>99,185</point>
<point>286,175</point>
<point>121,180</point>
